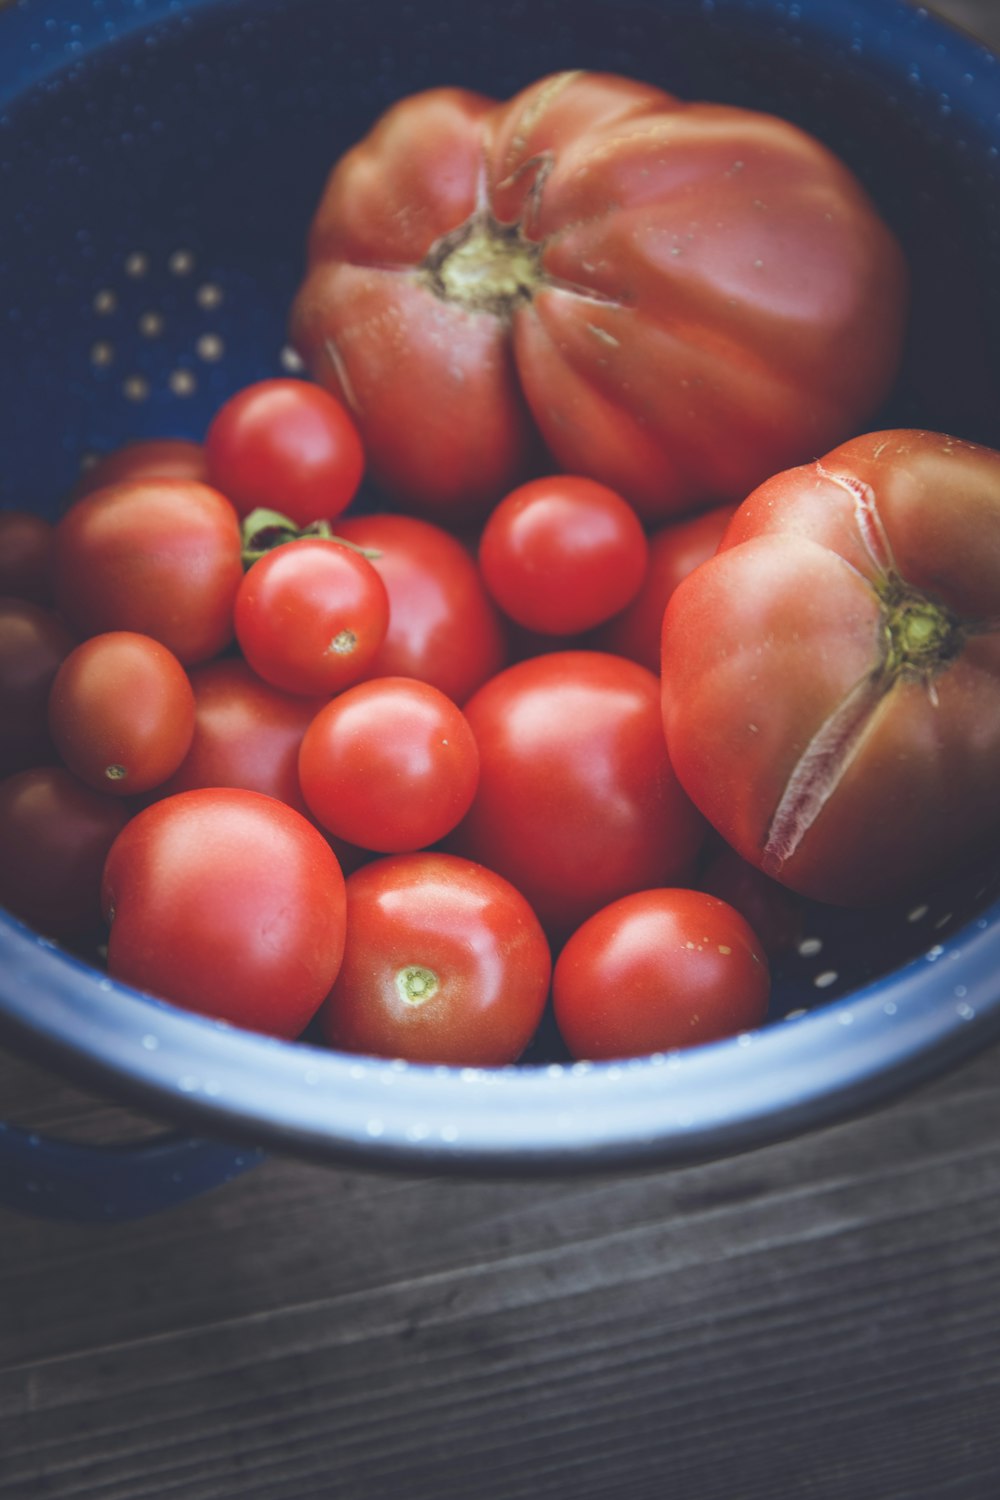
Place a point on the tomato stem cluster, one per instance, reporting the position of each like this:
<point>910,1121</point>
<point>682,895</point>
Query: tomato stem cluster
<point>920,635</point>
<point>484,266</point>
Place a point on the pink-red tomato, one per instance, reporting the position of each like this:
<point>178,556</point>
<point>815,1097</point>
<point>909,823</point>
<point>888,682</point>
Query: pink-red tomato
<point>310,616</point>
<point>55,834</point>
<point>657,970</point>
<point>286,446</point>
<point>228,903</point>
<point>246,734</point>
<point>121,712</point>
<point>161,557</point>
<point>577,802</point>
<point>149,458</point>
<point>443,627</point>
<point>26,544</point>
<point>675,550</point>
<point>831,678</point>
<point>562,554</point>
<point>445,962</point>
<point>677,299</point>
<point>34,642</point>
<point>390,765</point>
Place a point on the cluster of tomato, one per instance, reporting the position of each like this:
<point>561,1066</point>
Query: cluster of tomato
<point>215,708</point>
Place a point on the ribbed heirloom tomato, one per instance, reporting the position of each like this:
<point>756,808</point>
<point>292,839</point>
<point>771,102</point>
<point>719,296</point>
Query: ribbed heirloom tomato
<point>831,677</point>
<point>676,299</point>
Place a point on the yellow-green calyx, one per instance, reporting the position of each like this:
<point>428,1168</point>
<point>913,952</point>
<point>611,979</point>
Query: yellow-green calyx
<point>920,634</point>
<point>484,266</point>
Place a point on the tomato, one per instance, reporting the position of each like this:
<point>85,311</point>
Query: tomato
<point>121,712</point>
<point>34,642</point>
<point>310,616</point>
<point>445,962</point>
<point>443,626</point>
<point>577,802</point>
<point>390,765</point>
<point>26,543</point>
<point>160,557</point>
<point>148,458</point>
<point>55,834</point>
<point>831,678</point>
<point>246,734</point>
<point>562,554</point>
<point>675,550</point>
<point>227,903</point>
<point>286,446</point>
<point>772,911</point>
<point>657,970</point>
<point>676,299</point>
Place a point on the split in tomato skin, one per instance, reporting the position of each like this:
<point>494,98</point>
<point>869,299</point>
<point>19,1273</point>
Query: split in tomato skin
<point>390,765</point>
<point>831,677</point>
<point>445,962</point>
<point>228,903</point>
<point>658,970</point>
<point>577,801</point>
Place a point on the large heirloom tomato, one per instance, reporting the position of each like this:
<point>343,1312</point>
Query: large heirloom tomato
<point>831,677</point>
<point>674,299</point>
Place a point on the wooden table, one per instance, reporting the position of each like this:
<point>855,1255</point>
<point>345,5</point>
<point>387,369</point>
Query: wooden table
<point>818,1320</point>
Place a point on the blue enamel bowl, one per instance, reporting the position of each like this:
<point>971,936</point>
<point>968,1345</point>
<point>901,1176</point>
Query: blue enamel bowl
<point>164,157</point>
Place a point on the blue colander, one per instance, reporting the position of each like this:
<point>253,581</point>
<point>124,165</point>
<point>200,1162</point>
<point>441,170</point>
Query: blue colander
<point>159,163</point>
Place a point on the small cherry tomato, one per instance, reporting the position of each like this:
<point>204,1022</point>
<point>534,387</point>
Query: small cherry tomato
<point>390,765</point>
<point>656,970</point>
<point>445,962</point>
<point>310,616</point>
<point>577,801</point>
<point>34,642</point>
<point>150,458</point>
<point>675,550</point>
<point>443,626</point>
<point>55,834</point>
<point>121,712</point>
<point>26,545</point>
<point>227,903</point>
<point>562,554</point>
<point>287,446</point>
<point>161,557</point>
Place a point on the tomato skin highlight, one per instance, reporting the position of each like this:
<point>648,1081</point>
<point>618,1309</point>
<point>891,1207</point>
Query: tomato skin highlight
<point>228,903</point>
<point>121,712</point>
<point>390,765</point>
<point>288,446</point>
<point>562,554</point>
<point>160,557</point>
<point>577,802</point>
<point>658,970</point>
<point>445,962</point>
<point>676,299</point>
<point>831,678</point>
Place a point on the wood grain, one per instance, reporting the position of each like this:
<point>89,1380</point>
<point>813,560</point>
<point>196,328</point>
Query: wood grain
<point>815,1321</point>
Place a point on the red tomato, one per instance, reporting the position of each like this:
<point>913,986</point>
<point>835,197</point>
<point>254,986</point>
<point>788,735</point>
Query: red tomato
<point>161,557</point>
<point>121,712</point>
<point>443,627</point>
<point>286,446</point>
<point>227,903</point>
<point>577,802</point>
<point>150,458</point>
<point>310,616</point>
<point>26,543</point>
<point>675,550</point>
<point>657,970</point>
<point>831,682</point>
<point>562,554</point>
<point>389,765</point>
<point>445,963</point>
<point>55,834</point>
<point>246,734</point>
<point>678,299</point>
<point>33,644</point>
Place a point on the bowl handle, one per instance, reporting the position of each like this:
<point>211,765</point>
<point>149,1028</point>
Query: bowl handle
<point>86,1184</point>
